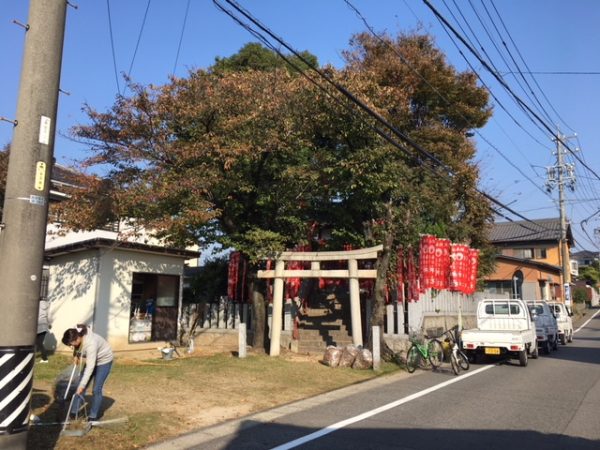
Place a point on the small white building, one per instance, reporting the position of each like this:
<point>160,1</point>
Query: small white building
<point>128,290</point>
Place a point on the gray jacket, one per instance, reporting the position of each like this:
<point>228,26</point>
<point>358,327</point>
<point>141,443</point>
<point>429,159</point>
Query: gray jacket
<point>96,351</point>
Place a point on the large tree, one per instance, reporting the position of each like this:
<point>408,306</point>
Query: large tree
<point>249,158</point>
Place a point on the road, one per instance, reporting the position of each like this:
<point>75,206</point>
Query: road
<point>554,403</point>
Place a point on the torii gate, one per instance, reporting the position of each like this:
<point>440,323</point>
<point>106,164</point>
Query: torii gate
<point>352,273</point>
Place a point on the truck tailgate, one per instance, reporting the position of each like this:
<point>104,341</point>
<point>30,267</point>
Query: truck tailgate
<point>493,338</point>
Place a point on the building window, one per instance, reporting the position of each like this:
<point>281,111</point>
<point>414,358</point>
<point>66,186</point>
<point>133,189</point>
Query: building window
<point>154,307</point>
<point>540,253</point>
<point>499,287</point>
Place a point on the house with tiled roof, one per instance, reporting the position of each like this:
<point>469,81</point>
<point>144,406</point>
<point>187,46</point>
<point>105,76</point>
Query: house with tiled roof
<point>529,260</point>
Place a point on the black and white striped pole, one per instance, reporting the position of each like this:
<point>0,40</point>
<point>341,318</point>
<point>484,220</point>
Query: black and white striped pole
<point>23,227</point>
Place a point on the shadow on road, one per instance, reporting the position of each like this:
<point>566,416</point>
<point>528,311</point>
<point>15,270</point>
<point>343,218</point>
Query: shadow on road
<point>273,435</point>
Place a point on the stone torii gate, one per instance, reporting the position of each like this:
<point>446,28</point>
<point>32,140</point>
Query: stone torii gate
<point>352,273</point>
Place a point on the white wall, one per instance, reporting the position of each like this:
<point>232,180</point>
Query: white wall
<point>71,290</point>
<point>94,287</point>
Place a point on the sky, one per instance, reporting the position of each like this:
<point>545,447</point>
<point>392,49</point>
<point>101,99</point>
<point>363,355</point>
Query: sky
<point>557,41</point>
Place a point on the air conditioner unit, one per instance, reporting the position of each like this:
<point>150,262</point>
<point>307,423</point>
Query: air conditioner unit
<point>574,268</point>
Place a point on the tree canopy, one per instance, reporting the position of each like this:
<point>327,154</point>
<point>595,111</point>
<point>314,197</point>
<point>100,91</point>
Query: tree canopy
<point>256,157</point>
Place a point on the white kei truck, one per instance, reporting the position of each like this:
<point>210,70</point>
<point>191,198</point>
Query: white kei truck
<point>504,329</point>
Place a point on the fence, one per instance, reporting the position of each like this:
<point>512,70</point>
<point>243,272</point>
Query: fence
<point>432,306</point>
<point>221,315</point>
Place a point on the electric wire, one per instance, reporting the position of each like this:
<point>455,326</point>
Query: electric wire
<point>415,71</point>
<point>504,84</point>
<point>187,10</point>
<point>525,63</point>
<point>137,45</point>
<point>482,48</point>
<point>421,151</point>
<point>485,85</point>
<point>112,47</point>
<point>535,98</point>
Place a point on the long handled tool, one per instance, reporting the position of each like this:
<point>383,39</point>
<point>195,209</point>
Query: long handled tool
<point>76,432</point>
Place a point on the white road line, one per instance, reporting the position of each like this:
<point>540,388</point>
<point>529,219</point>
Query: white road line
<point>373,412</point>
<point>587,321</point>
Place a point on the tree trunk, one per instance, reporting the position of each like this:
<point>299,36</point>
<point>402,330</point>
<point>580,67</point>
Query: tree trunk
<point>258,317</point>
<point>378,314</point>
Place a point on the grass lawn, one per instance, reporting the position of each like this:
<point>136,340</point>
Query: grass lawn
<point>167,398</point>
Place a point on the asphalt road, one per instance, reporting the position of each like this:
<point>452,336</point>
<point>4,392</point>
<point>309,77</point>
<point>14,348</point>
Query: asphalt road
<point>553,403</point>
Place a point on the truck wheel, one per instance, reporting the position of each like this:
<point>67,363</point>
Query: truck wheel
<point>563,339</point>
<point>535,352</point>
<point>546,347</point>
<point>571,336</point>
<point>555,342</point>
<point>523,358</point>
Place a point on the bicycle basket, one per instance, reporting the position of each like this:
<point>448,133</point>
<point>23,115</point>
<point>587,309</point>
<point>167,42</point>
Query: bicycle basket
<point>417,336</point>
<point>434,332</point>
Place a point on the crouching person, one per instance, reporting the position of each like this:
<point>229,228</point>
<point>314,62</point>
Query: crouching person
<point>98,362</point>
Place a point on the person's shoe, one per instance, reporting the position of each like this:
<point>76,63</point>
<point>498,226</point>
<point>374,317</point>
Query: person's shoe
<point>43,361</point>
<point>92,419</point>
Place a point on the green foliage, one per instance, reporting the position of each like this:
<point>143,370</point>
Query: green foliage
<point>249,155</point>
<point>580,295</point>
<point>253,56</point>
<point>210,282</point>
<point>591,274</point>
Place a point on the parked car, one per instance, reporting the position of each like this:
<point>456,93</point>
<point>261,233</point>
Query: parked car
<point>565,323</point>
<point>546,326</point>
<point>504,328</point>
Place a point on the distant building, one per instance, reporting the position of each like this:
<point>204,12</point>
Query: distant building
<point>585,258</point>
<point>529,260</point>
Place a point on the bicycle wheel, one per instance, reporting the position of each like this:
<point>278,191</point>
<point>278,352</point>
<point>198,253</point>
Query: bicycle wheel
<point>413,356</point>
<point>463,361</point>
<point>436,353</point>
<point>454,363</point>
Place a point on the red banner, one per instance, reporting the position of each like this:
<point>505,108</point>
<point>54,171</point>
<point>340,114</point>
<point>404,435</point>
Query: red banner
<point>292,285</point>
<point>471,284</point>
<point>442,264</point>
<point>412,279</point>
<point>427,262</point>
<point>460,268</point>
<point>233,276</point>
<point>400,274</point>
<point>434,263</point>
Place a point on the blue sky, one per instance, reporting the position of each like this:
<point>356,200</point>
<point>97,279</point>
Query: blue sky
<point>551,36</point>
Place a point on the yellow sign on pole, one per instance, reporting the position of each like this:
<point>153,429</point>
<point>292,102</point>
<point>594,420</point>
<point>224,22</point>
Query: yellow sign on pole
<point>40,175</point>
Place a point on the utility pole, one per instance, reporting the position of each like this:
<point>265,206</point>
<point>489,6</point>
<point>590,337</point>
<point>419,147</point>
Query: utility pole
<point>23,227</point>
<point>562,174</point>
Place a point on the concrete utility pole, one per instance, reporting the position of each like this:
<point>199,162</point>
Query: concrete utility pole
<point>560,175</point>
<point>23,228</point>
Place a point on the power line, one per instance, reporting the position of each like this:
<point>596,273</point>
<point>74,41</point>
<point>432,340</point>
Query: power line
<point>187,9</point>
<point>555,73</point>
<point>137,45</point>
<point>525,63</point>
<point>353,99</point>
<point>504,84</point>
<point>112,46</point>
<point>414,70</point>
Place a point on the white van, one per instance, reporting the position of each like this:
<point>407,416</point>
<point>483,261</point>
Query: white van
<point>565,323</point>
<point>546,326</point>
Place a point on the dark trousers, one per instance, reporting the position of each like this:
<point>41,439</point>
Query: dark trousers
<point>39,344</point>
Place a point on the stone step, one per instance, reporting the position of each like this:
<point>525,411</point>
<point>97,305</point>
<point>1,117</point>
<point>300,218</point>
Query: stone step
<point>316,334</point>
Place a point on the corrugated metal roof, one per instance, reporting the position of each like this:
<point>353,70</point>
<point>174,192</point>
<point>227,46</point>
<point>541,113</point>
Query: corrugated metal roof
<point>526,231</point>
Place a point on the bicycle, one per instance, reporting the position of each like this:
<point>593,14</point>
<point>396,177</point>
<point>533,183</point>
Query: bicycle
<point>458,358</point>
<point>431,351</point>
